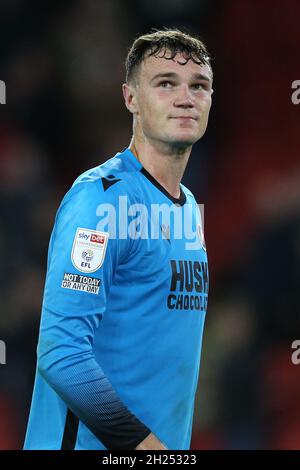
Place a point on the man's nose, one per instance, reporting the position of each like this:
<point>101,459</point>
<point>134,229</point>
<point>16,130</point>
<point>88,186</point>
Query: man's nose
<point>184,98</point>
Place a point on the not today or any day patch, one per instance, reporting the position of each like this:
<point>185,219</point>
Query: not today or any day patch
<point>81,283</point>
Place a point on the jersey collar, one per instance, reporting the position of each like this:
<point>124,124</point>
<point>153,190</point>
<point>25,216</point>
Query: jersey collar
<point>182,198</point>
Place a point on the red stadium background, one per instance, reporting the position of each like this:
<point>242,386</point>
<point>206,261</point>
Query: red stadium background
<point>63,65</point>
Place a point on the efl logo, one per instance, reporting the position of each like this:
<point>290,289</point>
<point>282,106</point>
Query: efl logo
<point>2,92</point>
<point>97,238</point>
<point>91,246</point>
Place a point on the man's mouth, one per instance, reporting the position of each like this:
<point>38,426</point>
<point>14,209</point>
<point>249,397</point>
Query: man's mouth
<point>191,118</point>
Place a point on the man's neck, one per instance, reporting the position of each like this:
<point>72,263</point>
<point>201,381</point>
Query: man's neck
<point>164,163</point>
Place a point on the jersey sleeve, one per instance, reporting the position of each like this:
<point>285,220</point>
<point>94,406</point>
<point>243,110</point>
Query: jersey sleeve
<point>82,261</point>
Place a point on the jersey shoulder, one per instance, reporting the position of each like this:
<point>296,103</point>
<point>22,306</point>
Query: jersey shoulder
<point>104,183</point>
<point>115,176</point>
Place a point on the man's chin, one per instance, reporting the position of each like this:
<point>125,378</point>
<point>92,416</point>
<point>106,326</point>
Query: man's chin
<point>185,141</point>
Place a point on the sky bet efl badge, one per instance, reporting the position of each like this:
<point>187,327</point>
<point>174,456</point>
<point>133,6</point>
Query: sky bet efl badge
<point>88,250</point>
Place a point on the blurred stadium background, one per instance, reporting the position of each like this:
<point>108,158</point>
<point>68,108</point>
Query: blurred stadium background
<point>63,65</point>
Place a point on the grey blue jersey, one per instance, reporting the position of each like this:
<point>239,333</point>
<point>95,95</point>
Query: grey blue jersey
<point>122,316</point>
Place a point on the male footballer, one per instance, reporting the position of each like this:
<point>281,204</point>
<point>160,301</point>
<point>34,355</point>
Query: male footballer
<point>127,283</point>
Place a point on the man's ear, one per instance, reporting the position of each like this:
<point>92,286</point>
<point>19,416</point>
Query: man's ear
<point>129,93</point>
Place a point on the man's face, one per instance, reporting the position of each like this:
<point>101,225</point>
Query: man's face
<point>172,100</point>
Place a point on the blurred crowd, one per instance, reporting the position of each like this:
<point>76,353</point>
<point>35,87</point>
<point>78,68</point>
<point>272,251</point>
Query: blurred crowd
<point>63,65</point>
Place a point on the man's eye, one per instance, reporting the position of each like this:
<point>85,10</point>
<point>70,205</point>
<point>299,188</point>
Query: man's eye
<point>166,84</point>
<point>198,86</point>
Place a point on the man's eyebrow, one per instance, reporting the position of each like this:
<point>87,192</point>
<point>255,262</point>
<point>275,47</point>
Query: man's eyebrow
<point>200,76</point>
<point>195,76</point>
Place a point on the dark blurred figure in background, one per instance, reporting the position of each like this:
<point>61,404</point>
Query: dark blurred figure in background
<point>54,60</point>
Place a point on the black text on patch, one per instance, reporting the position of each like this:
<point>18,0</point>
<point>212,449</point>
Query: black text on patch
<point>81,283</point>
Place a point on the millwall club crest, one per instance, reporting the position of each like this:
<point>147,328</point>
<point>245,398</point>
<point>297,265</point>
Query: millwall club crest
<point>201,236</point>
<point>88,250</point>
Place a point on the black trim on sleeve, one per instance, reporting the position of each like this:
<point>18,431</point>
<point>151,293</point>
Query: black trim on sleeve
<point>180,201</point>
<point>124,433</point>
<point>70,431</point>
